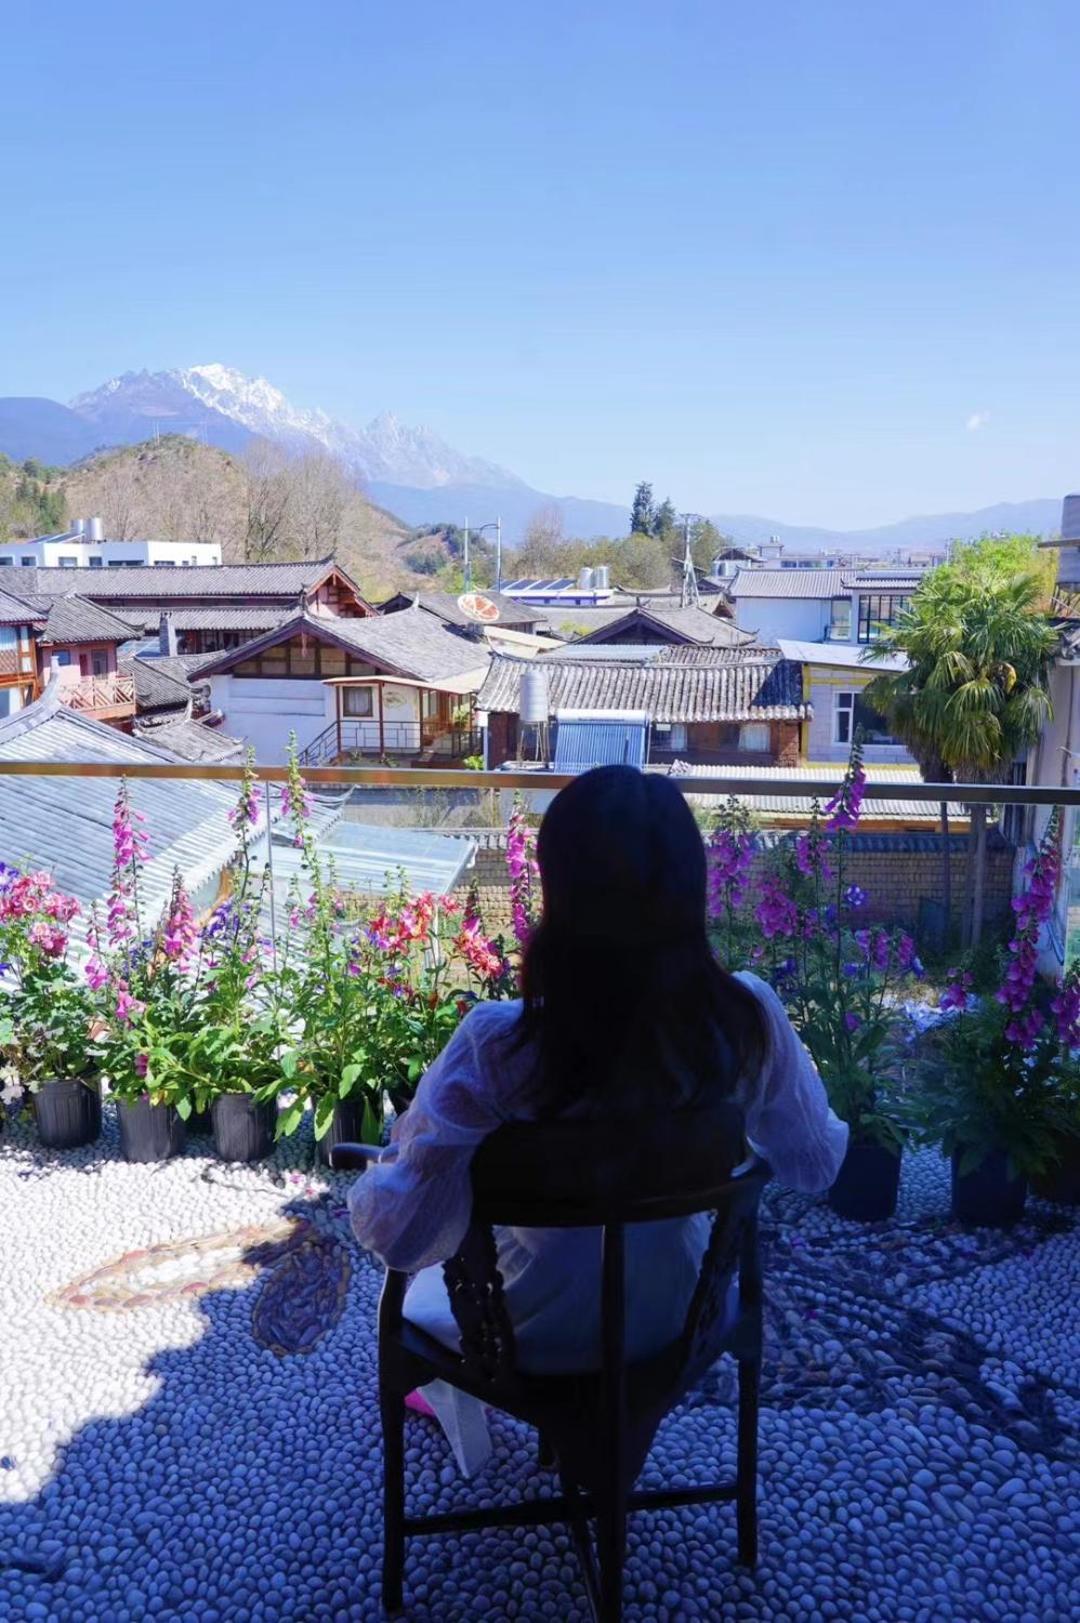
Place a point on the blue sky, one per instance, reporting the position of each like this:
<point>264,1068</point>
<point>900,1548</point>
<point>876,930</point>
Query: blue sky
<point>816,259</point>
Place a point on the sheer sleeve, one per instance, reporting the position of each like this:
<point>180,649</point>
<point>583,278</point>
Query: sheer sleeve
<point>788,1119</point>
<point>412,1207</point>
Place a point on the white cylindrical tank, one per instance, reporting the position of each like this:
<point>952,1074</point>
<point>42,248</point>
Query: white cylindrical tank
<point>78,526</point>
<point>95,530</point>
<point>602,578</point>
<point>534,696</point>
<point>585,580</point>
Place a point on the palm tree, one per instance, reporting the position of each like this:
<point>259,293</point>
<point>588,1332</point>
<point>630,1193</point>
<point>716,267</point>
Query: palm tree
<point>975,690</point>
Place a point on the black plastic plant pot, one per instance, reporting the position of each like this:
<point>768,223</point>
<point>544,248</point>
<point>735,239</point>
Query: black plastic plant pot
<point>199,1124</point>
<point>243,1127</point>
<point>987,1197</point>
<point>867,1184</point>
<point>149,1132</point>
<point>346,1127</point>
<point>1061,1182</point>
<point>68,1114</point>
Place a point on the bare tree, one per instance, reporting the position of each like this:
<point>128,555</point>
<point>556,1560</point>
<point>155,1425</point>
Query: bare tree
<point>268,493</point>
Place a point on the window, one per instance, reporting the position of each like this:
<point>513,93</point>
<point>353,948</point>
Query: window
<point>27,563</point>
<point>852,712</point>
<point>359,702</point>
<point>63,658</point>
<point>840,620</point>
<point>95,561</point>
<point>754,735</point>
<point>99,663</point>
<point>880,609</point>
<point>67,562</point>
<point>6,561</point>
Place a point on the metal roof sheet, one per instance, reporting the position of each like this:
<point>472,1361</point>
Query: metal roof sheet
<point>65,824</point>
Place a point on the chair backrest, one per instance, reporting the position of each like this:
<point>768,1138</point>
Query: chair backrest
<point>606,1173</point>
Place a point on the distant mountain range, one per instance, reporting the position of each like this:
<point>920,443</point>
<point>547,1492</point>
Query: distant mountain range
<point>410,471</point>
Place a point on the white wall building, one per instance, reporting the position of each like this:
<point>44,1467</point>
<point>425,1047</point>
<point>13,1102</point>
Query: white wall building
<point>833,679</point>
<point>819,605</point>
<point>86,546</point>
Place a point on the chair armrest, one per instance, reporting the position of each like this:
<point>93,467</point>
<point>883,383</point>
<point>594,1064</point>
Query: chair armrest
<point>353,1157</point>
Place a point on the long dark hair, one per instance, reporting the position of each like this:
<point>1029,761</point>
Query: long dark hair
<point>623,996</point>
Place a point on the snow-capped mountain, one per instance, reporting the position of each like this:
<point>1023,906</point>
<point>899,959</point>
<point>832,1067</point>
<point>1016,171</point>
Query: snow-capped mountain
<point>229,409</point>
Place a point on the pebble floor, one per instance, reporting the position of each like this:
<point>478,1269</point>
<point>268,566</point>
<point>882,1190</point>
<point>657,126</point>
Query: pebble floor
<point>170,1450</point>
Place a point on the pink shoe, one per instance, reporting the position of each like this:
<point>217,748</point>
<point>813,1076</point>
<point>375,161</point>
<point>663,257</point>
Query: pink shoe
<point>418,1403</point>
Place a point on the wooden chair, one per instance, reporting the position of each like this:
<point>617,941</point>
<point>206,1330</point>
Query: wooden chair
<point>597,1428</point>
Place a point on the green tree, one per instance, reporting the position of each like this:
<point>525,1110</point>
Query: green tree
<point>975,691</point>
<point>641,513</point>
<point>665,520</point>
<point>705,542</point>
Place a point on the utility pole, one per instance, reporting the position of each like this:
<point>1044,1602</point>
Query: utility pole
<point>498,553</point>
<point>465,560</point>
<point>689,596</point>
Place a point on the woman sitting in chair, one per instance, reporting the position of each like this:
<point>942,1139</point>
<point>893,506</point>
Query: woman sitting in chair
<point>626,1013</point>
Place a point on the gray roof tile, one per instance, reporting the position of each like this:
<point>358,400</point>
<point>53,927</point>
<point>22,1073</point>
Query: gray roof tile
<point>750,688</point>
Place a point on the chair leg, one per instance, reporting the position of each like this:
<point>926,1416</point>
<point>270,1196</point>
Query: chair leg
<point>611,1550</point>
<point>392,1409</point>
<point>746,1469</point>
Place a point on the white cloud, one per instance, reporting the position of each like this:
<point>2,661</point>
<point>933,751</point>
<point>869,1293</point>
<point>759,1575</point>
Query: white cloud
<point>977,420</point>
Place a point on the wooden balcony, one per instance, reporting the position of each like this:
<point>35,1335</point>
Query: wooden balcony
<point>106,698</point>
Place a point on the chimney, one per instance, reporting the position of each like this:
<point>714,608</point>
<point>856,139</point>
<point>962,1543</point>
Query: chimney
<point>1068,548</point>
<point>167,636</point>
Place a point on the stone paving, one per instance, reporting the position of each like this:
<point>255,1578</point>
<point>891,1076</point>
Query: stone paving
<point>188,1426</point>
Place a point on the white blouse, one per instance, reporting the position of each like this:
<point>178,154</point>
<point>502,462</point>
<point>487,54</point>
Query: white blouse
<point>412,1207</point>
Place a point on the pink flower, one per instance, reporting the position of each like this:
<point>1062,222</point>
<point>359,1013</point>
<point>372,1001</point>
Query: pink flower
<point>843,810</point>
<point>96,974</point>
<point>127,1007</point>
<point>731,857</point>
<point>776,913</point>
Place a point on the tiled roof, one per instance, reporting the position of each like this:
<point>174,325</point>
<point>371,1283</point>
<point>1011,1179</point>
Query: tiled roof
<point>156,686</point>
<point>445,605</point>
<point>411,643</point>
<point>894,580</point>
<point>688,623</point>
<point>191,740</point>
<point>746,689</point>
<point>76,619</point>
<point>228,618</point>
<point>115,582</point>
<point>15,612</point>
<point>820,583</point>
<point>880,806</point>
<point>65,824</point>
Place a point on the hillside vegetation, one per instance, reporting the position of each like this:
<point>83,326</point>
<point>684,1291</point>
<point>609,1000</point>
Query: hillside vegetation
<point>259,506</point>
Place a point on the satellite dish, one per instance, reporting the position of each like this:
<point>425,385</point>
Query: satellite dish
<point>478,607</point>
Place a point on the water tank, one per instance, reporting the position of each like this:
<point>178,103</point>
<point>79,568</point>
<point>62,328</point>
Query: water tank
<point>602,578</point>
<point>534,696</point>
<point>585,580</point>
<point>1070,520</point>
<point>78,526</point>
<point>95,530</point>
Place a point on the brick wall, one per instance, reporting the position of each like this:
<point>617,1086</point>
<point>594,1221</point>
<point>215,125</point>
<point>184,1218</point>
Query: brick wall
<point>895,870</point>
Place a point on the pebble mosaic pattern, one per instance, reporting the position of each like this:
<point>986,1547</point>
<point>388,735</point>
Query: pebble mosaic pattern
<point>189,1425</point>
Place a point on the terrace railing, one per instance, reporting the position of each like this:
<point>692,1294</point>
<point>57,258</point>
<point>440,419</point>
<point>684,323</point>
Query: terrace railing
<point>101,695</point>
<point>897,853</point>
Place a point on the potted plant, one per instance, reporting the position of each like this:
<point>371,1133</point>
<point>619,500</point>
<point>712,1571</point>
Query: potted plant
<point>372,994</point>
<point>992,1094</point>
<point>839,979</point>
<point>145,989</point>
<point>46,1037</point>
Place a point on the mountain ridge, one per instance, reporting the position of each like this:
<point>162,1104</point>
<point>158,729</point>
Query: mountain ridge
<point>409,470</point>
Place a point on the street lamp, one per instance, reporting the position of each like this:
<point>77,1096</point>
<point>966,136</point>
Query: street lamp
<point>496,525</point>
